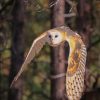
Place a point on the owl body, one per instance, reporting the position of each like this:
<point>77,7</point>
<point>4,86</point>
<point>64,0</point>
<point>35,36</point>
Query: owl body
<point>76,60</point>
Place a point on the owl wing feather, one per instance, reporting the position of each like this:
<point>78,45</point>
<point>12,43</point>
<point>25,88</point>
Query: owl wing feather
<point>75,74</point>
<point>35,48</point>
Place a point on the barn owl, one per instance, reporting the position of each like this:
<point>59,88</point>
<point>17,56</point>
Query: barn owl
<point>76,60</point>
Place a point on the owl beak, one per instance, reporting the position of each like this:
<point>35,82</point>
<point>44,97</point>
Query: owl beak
<point>51,40</point>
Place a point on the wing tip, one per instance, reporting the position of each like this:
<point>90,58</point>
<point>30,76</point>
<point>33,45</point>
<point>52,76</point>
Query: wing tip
<point>12,83</point>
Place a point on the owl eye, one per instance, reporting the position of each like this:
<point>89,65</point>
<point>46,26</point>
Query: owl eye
<point>56,36</point>
<point>49,36</point>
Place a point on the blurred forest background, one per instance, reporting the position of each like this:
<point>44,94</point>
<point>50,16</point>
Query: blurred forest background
<point>21,21</point>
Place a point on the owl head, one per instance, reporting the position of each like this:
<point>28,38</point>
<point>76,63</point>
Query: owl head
<point>54,37</point>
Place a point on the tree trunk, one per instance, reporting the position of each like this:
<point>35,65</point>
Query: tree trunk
<point>84,23</point>
<point>17,50</point>
<point>57,54</point>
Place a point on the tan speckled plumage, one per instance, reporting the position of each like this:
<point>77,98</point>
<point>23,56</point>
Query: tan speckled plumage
<point>76,70</point>
<point>76,61</point>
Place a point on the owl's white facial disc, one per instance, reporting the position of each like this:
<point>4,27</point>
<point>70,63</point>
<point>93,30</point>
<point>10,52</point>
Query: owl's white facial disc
<point>54,37</point>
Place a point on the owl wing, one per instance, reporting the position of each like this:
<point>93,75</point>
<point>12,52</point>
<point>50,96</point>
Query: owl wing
<point>35,48</point>
<point>76,74</point>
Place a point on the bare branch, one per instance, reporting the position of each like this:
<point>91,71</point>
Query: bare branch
<point>53,3</point>
<point>69,15</point>
<point>34,4</point>
<point>69,2</point>
<point>58,76</point>
<point>73,9</point>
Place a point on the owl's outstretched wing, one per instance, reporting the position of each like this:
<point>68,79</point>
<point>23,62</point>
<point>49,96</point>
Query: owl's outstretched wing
<point>35,48</point>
